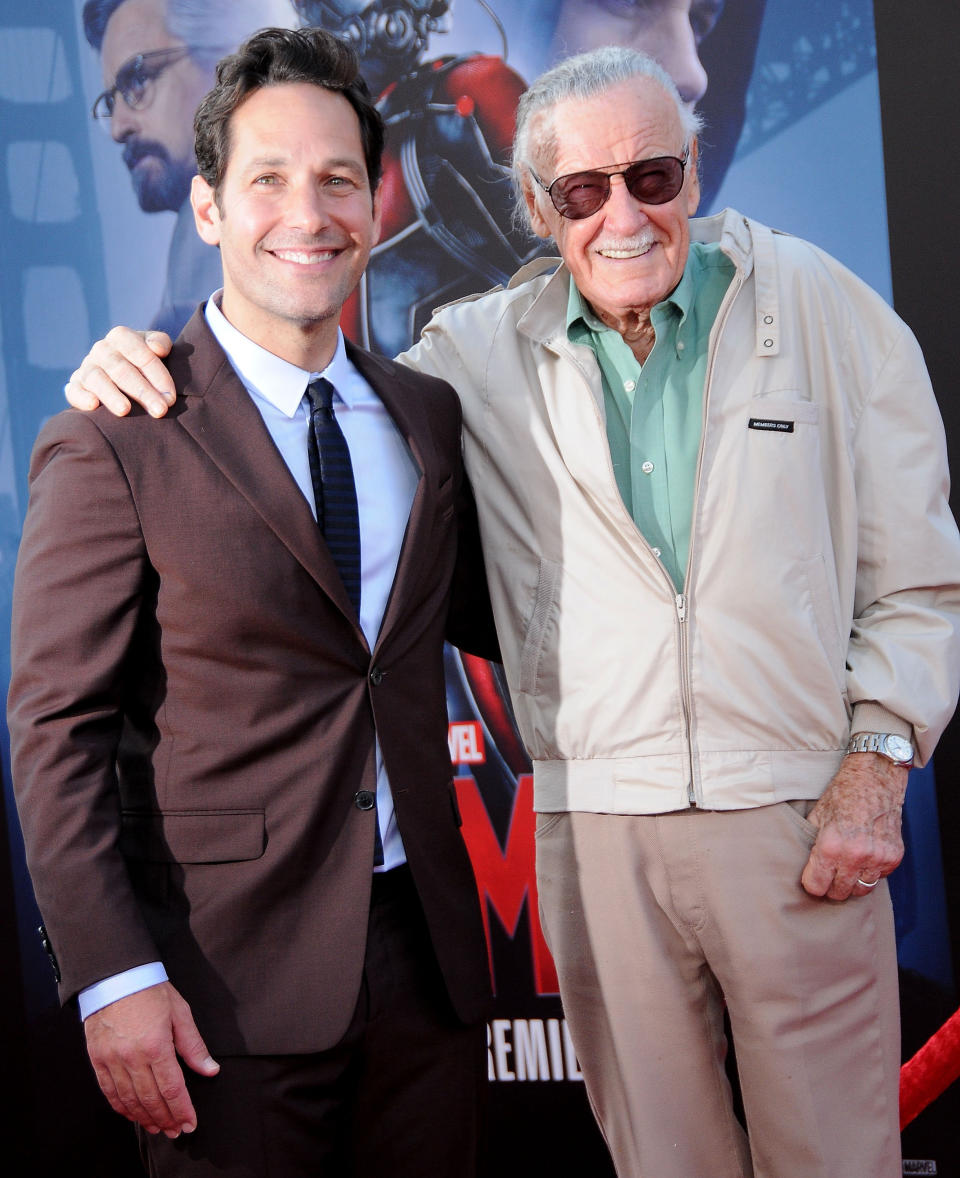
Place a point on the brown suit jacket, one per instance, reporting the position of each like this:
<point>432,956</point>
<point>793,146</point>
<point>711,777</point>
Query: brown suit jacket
<point>193,709</point>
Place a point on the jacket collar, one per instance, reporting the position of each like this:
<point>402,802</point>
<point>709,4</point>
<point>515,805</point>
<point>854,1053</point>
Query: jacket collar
<point>401,391</point>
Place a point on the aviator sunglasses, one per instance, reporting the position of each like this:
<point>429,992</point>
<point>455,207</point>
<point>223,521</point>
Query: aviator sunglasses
<point>652,182</point>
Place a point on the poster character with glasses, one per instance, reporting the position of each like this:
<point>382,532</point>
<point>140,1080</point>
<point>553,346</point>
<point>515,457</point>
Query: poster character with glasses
<point>158,59</point>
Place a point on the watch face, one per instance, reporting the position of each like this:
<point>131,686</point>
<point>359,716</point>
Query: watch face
<point>899,748</point>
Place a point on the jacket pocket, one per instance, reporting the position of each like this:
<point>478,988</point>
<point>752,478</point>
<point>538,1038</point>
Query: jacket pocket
<point>534,641</point>
<point>777,414</point>
<point>193,836</point>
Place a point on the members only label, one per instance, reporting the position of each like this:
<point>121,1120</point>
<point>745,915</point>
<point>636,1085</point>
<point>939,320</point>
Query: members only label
<point>771,425</point>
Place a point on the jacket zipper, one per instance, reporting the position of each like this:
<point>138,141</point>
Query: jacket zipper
<point>694,793</point>
<point>679,599</point>
<point>686,695</point>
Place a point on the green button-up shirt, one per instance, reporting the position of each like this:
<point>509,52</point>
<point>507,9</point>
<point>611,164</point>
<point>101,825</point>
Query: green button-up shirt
<point>655,411</point>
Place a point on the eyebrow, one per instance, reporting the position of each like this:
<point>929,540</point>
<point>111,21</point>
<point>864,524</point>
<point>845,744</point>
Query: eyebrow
<point>275,161</point>
<point>266,161</point>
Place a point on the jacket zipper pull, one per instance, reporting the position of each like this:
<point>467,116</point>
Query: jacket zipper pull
<point>682,607</point>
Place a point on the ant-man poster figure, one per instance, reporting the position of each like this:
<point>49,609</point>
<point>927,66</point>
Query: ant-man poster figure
<point>447,202</point>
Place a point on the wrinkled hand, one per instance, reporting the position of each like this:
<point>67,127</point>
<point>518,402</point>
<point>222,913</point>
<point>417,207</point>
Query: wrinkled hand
<point>133,1045</point>
<point>858,825</point>
<point>124,362</point>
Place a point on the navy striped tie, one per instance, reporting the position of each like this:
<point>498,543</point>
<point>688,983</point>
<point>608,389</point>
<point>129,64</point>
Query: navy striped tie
<point>335,497</point>
<point>334,490</point>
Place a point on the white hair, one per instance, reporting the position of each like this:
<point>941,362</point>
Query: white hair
<point>213,28</point>
<point>580,77</point>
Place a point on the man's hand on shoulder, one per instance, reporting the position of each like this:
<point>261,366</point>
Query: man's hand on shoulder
<point>124,366</point>
<point>858,820</point>
<point>133,1045</point>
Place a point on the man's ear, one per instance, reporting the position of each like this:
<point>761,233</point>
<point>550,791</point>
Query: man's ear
<point>206,215</point>
<point>537,220</point>
<point>377,211</point>
<point>693,184</point>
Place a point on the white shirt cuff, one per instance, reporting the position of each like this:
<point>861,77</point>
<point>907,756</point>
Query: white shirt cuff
<point>121,985</point>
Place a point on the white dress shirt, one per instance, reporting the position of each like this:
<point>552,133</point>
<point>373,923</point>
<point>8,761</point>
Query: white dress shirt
<point>386,477</point>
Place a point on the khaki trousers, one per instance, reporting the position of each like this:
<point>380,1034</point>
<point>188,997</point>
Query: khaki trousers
<point>655,922</point>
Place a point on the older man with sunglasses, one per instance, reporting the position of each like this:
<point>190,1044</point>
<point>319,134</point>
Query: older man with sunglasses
<point>712,483</point>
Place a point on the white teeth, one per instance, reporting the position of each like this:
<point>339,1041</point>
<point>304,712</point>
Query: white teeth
<point>635,252</point>
<point>303,259</point>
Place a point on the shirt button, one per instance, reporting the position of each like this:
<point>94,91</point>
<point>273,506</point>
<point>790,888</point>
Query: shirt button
<point>656,553</point>
<point>647,467</point>
<point>680,345</point>
<point>376,676</point>
<point>629,385</point>
<point>364,800</point>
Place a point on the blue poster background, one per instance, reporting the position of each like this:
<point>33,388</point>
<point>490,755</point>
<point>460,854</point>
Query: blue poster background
<point>799,147</point>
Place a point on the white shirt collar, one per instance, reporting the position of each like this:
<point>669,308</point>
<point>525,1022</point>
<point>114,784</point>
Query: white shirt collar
<point>277,380</point>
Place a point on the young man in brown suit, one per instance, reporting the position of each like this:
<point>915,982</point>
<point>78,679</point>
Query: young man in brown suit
<point>228,722</point>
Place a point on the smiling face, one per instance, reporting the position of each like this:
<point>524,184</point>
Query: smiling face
<point>627,256</point>
<point>670,31</point>
<point>158,138</point>
<point>294,218</point>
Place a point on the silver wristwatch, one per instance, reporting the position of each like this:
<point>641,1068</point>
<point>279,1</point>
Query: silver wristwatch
<point>895,748</point>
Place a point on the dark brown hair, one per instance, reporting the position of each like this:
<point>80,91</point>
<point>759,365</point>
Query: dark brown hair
<point>273,57</point>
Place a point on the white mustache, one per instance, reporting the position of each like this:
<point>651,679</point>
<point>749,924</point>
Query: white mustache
<point>637,244</point>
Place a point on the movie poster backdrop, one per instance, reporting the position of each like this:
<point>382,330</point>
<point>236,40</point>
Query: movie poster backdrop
<point>779,84</point>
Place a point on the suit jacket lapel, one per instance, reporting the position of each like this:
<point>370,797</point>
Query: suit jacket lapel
<point>221,417</point>
<point>403,401</point>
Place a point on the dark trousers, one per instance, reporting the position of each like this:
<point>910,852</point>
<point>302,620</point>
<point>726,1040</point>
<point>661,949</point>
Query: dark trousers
<point>401,1094</point>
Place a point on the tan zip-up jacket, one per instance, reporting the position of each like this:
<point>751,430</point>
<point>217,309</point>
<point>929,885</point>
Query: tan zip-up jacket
<point>822,594</point>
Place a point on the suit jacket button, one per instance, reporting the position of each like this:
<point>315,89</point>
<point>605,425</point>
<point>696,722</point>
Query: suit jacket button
<point>376,676</point>
<point>364,800</point>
